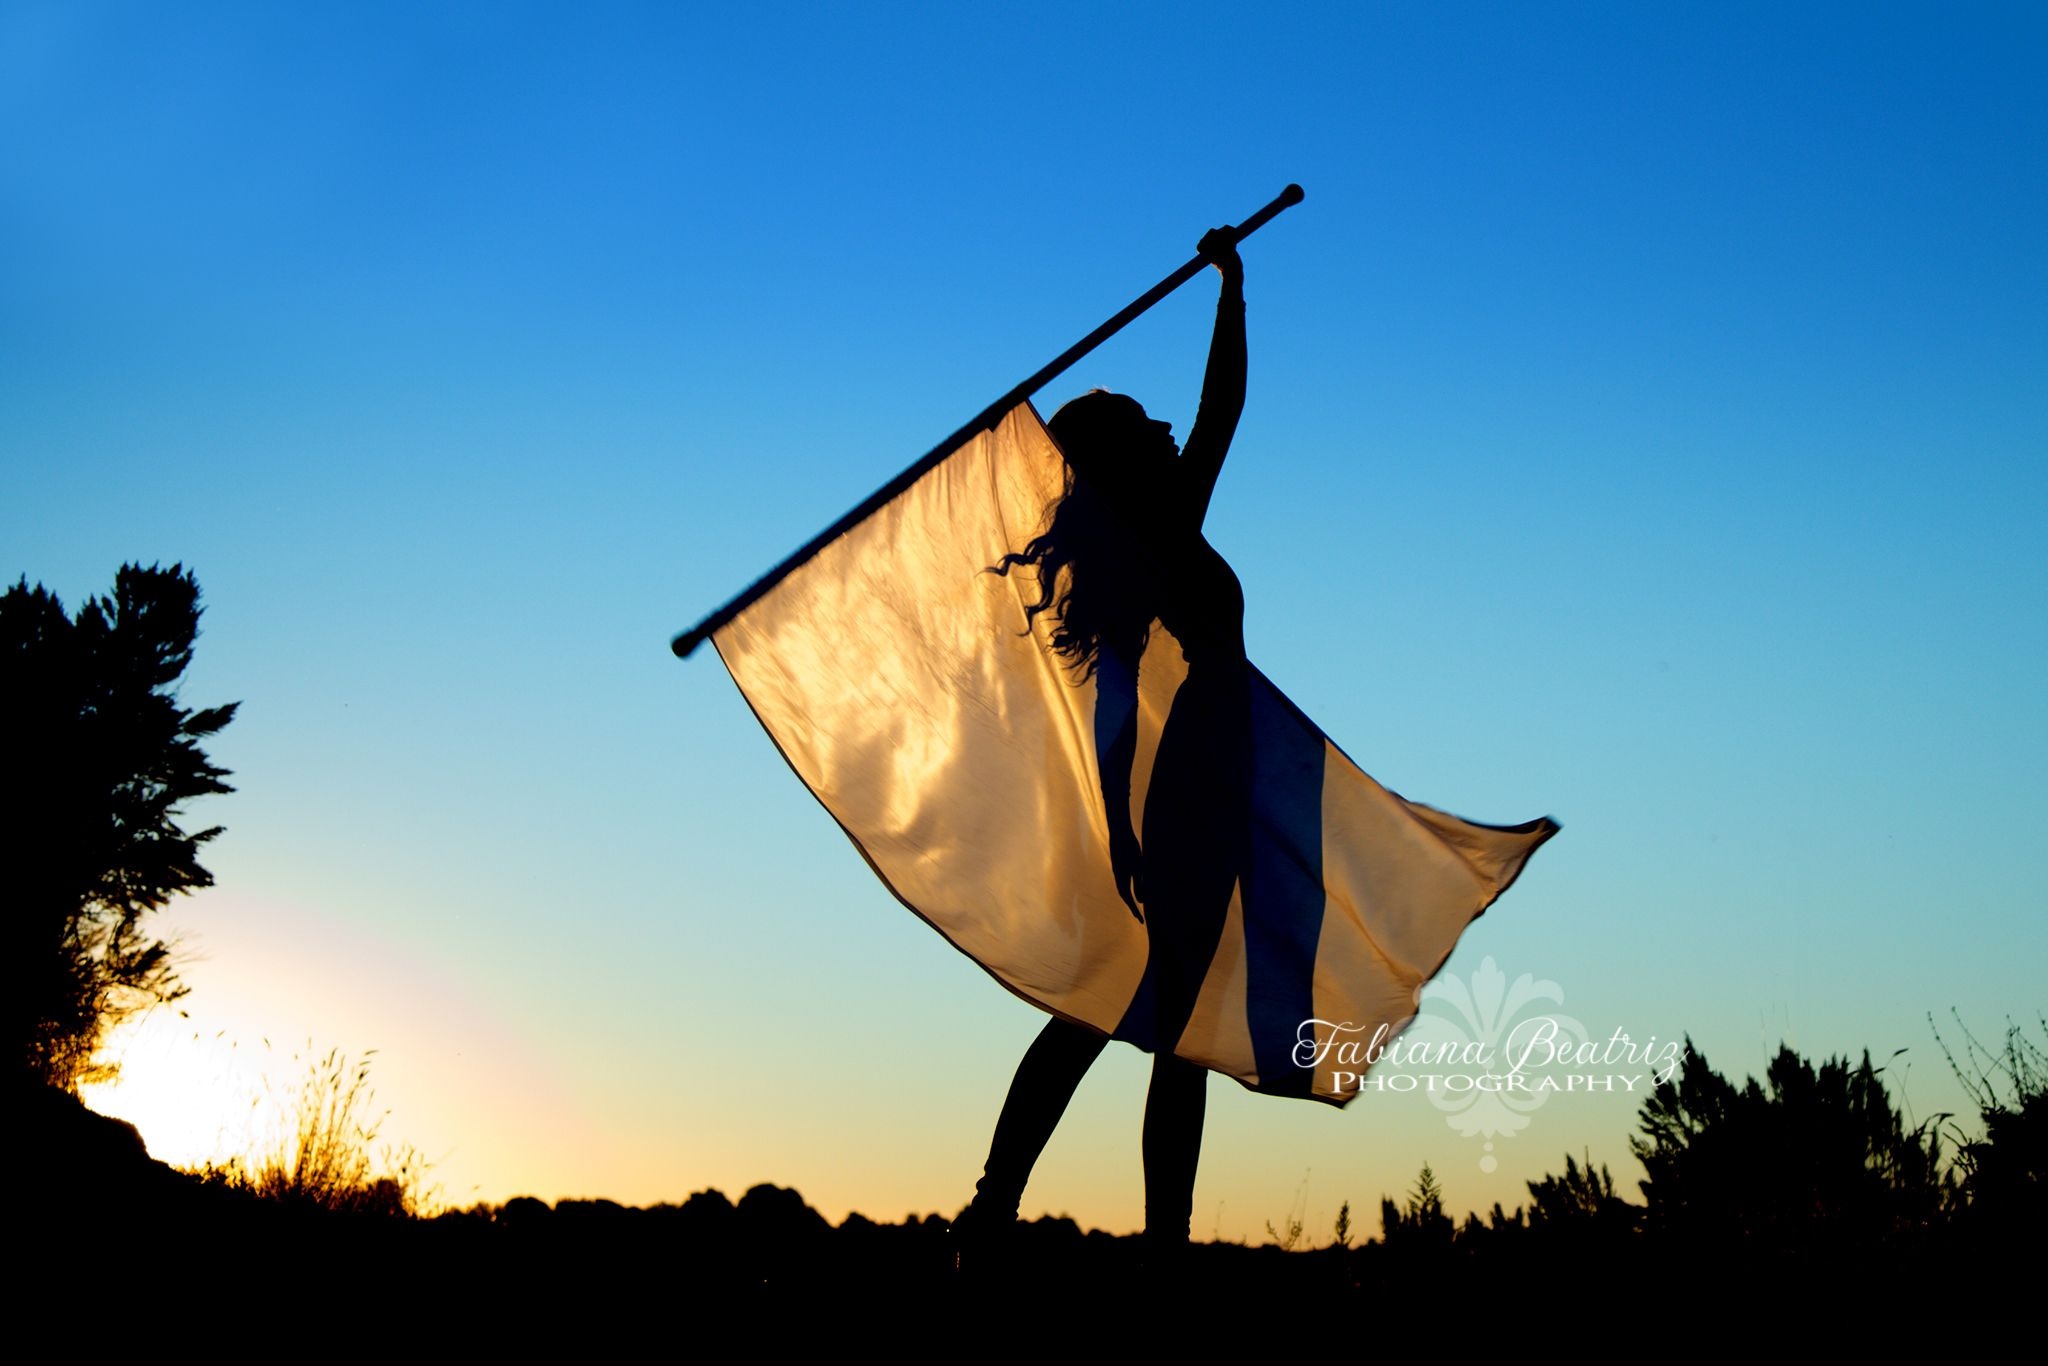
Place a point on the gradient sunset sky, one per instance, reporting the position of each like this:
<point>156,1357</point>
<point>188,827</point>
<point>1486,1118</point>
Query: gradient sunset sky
<point>1646,428</point>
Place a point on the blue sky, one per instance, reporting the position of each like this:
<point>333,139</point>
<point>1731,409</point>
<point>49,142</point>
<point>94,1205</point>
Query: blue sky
<point>1645,429</point>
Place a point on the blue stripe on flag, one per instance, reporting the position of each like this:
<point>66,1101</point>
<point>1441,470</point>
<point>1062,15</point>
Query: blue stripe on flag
<point>1283,892</point>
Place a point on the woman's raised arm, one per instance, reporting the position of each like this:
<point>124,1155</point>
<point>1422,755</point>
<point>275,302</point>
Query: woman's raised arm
<point>1223,382</point>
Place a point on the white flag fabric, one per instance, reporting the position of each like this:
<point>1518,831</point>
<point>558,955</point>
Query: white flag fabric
<point>957,752</point>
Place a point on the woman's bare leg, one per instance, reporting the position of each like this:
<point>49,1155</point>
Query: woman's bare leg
<point>1174,1108</point>
<point>1046,1079</point>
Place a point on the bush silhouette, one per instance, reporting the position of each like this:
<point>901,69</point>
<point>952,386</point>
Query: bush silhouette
<point>1810,1156</point>
<point>1582,1202</point>
<point>2004,1172</point>
<point>1420,1224</point>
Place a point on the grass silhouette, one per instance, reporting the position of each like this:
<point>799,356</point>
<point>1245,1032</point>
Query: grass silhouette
<point>330,1160</point>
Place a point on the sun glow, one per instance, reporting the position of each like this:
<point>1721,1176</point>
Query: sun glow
<point>196,1095</point>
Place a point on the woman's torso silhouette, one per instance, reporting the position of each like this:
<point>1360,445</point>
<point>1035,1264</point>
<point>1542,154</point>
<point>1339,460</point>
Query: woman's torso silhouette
<point>1195,832</point>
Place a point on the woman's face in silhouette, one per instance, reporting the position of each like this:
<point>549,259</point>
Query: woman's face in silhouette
<point>1129,428</point>
<point>1117,447</point>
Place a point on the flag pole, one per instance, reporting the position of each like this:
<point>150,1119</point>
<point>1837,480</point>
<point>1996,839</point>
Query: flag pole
<point>985,420</point>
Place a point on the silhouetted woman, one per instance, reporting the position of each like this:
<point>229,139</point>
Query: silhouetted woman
<point>1125,548</point>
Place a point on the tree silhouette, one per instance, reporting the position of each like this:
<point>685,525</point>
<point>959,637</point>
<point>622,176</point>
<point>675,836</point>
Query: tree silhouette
<point>100,759</point>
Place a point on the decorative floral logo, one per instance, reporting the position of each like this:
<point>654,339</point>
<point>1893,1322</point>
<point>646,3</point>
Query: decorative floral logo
<point>1489,1052</point>
<point>1497,1032</point>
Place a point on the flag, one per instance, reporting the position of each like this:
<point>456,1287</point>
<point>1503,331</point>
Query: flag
<point>908,691</point>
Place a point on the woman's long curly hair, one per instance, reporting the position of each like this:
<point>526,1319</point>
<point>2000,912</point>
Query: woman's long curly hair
<point>1095,571</point>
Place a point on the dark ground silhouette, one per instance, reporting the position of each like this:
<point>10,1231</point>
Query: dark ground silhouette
<point>1833,1228</point>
